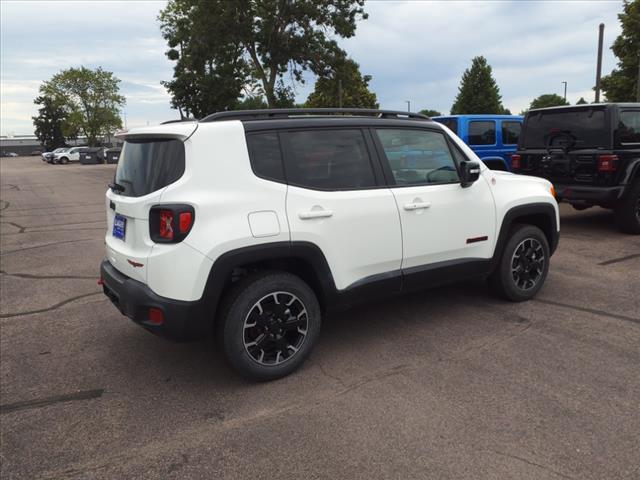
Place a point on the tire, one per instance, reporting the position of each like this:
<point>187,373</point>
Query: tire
<point>523,265</point>
<point>64,160</point>
<point>265,300</point>
<point>628,210</point>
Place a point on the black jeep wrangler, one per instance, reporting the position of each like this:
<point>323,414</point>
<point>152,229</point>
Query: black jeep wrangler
<point>591,154</point>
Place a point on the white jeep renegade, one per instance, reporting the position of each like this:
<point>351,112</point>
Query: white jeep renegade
<point>253,224</point>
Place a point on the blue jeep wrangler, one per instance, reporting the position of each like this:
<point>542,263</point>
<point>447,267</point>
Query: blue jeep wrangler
<point>494,138</point>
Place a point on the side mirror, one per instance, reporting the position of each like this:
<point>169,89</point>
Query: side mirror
<point>469,173</point>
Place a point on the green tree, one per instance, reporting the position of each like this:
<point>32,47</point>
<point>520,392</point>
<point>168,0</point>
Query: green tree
<point>49,123</point>
<point>231,44</point>
<point>547,100</point>
<point>430,113</point>
<point>623,83</point>
<point>210,71</point>
<point>91,100</point>
<point>343,85</point>
<point>581,101</point>
<point>251,103</point>
<point>478,91</point>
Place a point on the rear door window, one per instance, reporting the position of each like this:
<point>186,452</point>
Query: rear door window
<point>629,126</point>
<point>328,160</point>
<point>418,157</point>
<point>511,132</point>
<point>482,133</point>
<point>146,166</point>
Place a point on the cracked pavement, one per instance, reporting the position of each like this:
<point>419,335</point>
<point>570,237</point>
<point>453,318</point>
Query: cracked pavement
<point>445,384</point>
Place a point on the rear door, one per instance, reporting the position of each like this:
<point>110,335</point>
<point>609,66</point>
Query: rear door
<point>441,221</point>
<point>336,200</point>
<point>146,167</point>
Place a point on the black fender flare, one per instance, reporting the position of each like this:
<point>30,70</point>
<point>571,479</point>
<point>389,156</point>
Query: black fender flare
<point>225,264</point>
<point>543,216</point>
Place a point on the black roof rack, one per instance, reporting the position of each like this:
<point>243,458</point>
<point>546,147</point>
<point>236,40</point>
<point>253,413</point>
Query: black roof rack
<point>281,113</point>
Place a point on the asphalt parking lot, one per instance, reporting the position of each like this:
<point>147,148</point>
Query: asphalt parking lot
<point>448,384</point>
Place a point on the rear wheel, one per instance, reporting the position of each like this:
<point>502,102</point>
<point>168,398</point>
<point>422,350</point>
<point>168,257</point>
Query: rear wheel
<point>269,324</point>
<point>523,266</point>
<point>628,211</point>
<point>64,160</point>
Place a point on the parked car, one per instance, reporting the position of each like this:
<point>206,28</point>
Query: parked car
<point>35,153</point>
<point>493,138</point>
<point>68,155</point>
<point>48,156</point>
<point>591,153</point>
<point>10,154</point>
<point>255,223</point>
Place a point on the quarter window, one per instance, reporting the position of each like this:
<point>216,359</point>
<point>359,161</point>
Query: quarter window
<point>482,133</point>
<point>418,157</point>
<point>328,160</point>
<point>511,132</point>
<point>265,155</point>
<point>629,127</point>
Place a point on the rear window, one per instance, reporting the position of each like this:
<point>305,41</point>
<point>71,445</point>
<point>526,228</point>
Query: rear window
<point>149,165</point>
<point>578,129</point>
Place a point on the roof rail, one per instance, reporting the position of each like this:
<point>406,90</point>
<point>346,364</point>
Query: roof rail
<point>280,113</point>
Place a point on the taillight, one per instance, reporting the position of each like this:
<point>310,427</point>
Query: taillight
<point>607,163</point>
<point>170,223</point>
<point>185,222</point>
<point>515,161</point>
<point>166,224</point>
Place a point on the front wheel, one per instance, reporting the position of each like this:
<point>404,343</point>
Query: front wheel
<point>268,325</point>
<point>523,265</point>
<point>628,211</point>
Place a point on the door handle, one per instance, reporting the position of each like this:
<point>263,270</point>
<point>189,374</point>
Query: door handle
<point>315,214</point>
<point>416,205</point>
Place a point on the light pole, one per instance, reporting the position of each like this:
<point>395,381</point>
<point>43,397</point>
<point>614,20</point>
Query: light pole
<point>408,105</point>
<point>565,91</point>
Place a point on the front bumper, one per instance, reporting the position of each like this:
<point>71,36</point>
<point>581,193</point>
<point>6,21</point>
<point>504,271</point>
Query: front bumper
<point>182,320</point>
<point>588,195</point>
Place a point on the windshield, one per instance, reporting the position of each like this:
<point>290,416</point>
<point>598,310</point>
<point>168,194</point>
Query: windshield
<point>149,165</point>
<point>582,128</point>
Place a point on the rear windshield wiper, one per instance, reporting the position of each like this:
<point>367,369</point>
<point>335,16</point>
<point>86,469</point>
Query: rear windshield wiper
<point>116,187</point>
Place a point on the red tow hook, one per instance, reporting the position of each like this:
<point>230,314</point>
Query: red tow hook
<point>100,281</point>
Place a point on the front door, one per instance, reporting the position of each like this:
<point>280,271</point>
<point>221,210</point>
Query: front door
<point>443,224</point>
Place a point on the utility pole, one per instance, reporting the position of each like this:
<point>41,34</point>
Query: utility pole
<point>340,93</point>
<point>565,91</point>
<point>599,67</point>
<point>408,105</point>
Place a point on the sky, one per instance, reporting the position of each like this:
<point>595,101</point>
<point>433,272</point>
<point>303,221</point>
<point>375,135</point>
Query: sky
<point>414,50</point>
